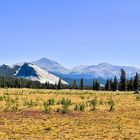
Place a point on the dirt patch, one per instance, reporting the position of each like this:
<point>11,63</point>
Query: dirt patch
<point>8,114</point>
<point>71,115</point>
<point>32,113</point>
<point>38,114</point>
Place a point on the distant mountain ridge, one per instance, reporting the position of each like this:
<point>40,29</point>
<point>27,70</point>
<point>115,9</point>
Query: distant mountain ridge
<point>102,71</point>
<point>105,70</point>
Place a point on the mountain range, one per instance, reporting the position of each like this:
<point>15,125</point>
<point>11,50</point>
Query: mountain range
<point>46,70</point>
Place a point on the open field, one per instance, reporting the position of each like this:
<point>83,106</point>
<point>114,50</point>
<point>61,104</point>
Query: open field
<point>23,115</point>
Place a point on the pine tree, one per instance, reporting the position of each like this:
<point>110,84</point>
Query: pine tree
<point>108,85</point>
<point>111,85</point>
<point>59,84</point>
<point>82,84</point>
<point>115,84</point>
<point>93,85</point>
<point>97,85</point>
<point>130,84</point>
<point>123,82</point>
<point>136,83</point>
<point>12,82</point>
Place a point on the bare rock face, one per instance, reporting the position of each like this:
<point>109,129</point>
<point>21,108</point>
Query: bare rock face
<point>32,72</point>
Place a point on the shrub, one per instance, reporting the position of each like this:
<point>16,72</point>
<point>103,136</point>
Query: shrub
<point>11,104</point>
<point>47,107</point>
<point>66,103</point>
<point>79,107</point>
<point>30,103</point>
<point>82,107</point>
<point>138,98</point>
<point>76,108</point>
<point>14,107</point>
<point>1,98</point>
<point>51,101</point>
<point>111,102</point>
<point>93,103</point>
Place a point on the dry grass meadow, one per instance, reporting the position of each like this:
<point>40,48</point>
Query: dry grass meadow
<point>23,115</point>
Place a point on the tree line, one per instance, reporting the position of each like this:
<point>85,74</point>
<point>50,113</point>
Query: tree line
<point>121,84</point>
<point>13,82</point>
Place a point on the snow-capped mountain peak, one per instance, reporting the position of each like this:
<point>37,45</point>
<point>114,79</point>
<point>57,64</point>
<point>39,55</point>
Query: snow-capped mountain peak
<point>50,65</point>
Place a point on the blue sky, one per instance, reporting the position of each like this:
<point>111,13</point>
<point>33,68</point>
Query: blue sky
<point>72,32</point>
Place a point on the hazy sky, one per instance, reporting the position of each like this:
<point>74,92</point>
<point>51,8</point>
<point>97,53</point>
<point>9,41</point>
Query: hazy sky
<point>71,32</point>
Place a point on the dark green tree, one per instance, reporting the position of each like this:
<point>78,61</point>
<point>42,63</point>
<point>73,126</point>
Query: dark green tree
<point>97,85</point>
<point>82,84</point>
<point>93,85</point>
<point>130,84</point>
<point>123,81</point>
<point>12,82</point>
<point>115,84</point>
<point>59,85</point>
<point>108,85</point>
<point>136,83</point>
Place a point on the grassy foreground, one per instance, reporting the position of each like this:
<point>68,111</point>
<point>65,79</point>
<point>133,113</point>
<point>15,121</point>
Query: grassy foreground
<point>24,116</point>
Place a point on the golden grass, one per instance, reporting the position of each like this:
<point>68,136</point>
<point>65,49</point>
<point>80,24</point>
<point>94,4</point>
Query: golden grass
<point>31,122</point>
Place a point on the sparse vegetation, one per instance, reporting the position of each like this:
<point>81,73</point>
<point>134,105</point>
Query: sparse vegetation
<point>93,103</point>
<point>66,103</point>
<point>111,102</point>
<point>138,98</point>
<point>30,103</point>
<point>51,101</point>
<point>79,107</point>
<point>11,104</point>
<point>52,114</point>
<point>47,107</point>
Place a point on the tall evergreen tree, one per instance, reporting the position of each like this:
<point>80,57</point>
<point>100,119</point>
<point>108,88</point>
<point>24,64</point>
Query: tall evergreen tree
<point>82,84</point>
<point>111,85</point>
<point>108,85</point>
<point>93,85</point>
<point>115,84</point>
<point>123,82</point>
<point>59,84</point>
<point>12,82</point>
<point>97,85</point>
<point>130,84</point>
<point>136,83</point>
